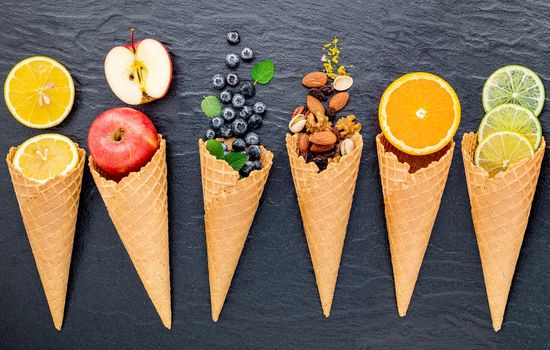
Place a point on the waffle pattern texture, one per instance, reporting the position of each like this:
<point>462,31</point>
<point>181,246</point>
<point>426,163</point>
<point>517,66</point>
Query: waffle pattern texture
<point>325,200</point>
<point>500,212</point>
<point>412,188</point>
<point>49,213</point>
<point>230,206</point>
<point>138,207</point>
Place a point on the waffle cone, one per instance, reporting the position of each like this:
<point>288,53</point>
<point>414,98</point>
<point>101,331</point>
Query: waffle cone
<point>325,200</point>
<point>500,212</point>
<point>49,214</point>
<point>230,206</point>
<point>412,188</point>
<point>138,207</point>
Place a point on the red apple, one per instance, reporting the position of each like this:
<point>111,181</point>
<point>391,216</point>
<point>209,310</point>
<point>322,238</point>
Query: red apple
<point>139,72</point>
<point>122,140</point>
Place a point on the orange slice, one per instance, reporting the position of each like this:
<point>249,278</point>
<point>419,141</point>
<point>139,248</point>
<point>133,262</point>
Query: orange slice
<point>419,113</point>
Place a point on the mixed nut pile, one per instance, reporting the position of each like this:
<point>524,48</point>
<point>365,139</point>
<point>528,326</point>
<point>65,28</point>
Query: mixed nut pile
<point>323,137</point>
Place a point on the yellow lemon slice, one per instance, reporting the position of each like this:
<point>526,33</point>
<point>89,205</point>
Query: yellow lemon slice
<point>46,156</point>
<point>39,92</point>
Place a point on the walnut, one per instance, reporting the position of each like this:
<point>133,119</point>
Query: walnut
<point>317,123</point>
<point>347,126</point>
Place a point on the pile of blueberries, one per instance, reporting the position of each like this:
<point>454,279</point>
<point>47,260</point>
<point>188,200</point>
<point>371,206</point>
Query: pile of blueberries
<point>238,119</point>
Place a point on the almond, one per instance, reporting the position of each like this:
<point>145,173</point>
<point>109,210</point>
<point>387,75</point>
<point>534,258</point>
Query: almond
<point>315,106</point>
<point>339,101</point>
<point>303,142</point>
<point>315,79</point>
<point>323,138</point>
<point>321,148</point>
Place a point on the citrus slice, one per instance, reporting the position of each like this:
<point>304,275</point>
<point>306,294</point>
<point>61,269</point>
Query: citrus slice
<point>510,117</point>
<point>419,113</point>
<point>500,150</point>
<point>46,156</point>
<point>514,84</point>
<point>39,92</point>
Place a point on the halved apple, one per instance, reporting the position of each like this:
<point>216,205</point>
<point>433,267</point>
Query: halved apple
<point>140,72</point>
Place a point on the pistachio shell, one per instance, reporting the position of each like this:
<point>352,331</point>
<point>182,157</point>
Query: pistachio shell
<point>297,123</point>
<point>342,82</point>
<point>346,146</point>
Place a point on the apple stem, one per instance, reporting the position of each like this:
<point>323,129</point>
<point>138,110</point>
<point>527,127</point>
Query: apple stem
<point>118,134</point>
<point>132,38</point>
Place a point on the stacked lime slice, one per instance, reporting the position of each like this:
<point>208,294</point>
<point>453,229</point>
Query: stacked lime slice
<point>513,97</point>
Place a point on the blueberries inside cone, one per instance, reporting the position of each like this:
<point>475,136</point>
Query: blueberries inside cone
<point>247,89</point>
<point>257,165</point>
<point>228,114</point>
<point>225,131</point>
<point>259,107</point>
<point>247,54</point>
<point>218,81</point>
<point>233,38</point>
<point>246,112</point>
<point>254,152</point>
<point>255,121</point>
<point>238,101</point>
<point>238,145</point>
<point>224,146</point>
<point>226,96</point>
<point>247,168</point>
<point>252,138</point>
<point>239,126</point>
<point>232,60</point>
<point>217,122</point>
<point>232,79</point>
<point>210,134</point>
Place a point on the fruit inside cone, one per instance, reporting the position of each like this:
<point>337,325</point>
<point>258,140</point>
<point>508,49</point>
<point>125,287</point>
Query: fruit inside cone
<point>139,72</point>
<point>122,140</point>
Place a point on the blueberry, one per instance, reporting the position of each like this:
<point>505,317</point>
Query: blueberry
<point>247,89</point>
<point>238,101</point>
<point>259,107</point>
<point>217,122</point>
<point>247,54</point>
<point>252,138</point>
<point>228,114</point>
<point>226,96</point>
<point>238,145</point>
<point>210,134</point>
<point>233,38</point>
<point>254,152</point>
<point>232,60</point>
<point>247,168</point>
<point>224,146</point>
<point>246,112</point>
<point>218,81</point>
<point>257,165</point>
<point>232,79</point>
<point>255,121</point>
<point>225,131</point>
<point>239,127</point>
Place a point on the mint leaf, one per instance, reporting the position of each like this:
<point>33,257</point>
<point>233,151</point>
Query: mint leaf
<point>211,106</point>
<point>263,72</point>
<point>215,148</point>
<point>236,160</point>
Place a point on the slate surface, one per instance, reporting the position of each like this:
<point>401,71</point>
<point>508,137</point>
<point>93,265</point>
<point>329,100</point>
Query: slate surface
<point>273,301</point>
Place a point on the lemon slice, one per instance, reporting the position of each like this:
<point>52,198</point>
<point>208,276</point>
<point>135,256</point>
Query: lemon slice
<point>510,117</point>
<point>514,84</point>
<point>46,156</point>
<point>500,150</point>
<point>39,92</point>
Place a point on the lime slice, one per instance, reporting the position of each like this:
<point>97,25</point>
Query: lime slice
<point>510,117</point>
<point>46,156</point>
<point>500,150</point>
<point>514,84</point>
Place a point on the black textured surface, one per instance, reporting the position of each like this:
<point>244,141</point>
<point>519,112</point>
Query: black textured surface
<point>273,301</point>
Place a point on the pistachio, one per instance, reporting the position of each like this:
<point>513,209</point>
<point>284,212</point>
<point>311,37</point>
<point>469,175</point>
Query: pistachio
<point>298,123</point>
<point>346,147</point>
<point>342,82</point>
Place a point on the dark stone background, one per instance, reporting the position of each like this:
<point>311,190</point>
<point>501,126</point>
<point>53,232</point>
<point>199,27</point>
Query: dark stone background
<point>273,301</point>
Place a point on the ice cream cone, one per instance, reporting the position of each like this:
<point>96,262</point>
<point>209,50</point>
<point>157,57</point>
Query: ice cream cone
<point>500,212</point>
<point>325,200</point>
<point>230,206</point>
<point>412,188</point>
<point>49,214</point>
<point>138,207</point>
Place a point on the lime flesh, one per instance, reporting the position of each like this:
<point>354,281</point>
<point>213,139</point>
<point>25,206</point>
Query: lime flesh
<point>498,151</point>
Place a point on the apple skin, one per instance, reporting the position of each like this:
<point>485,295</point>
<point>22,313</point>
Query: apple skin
<point>122,140</point>
<point>123,61</point>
